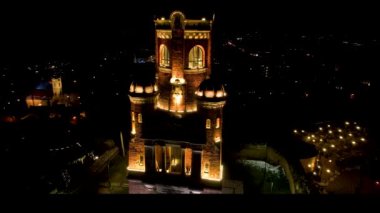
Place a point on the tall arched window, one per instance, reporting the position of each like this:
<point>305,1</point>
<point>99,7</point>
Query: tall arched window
<point>217,125</point>
<point>196,57</point>
<point>164,56</point>
<point>208,123</point>
<point>139,118</point>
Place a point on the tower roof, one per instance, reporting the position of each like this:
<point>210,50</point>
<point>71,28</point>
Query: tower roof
<point>202,23</point>
<point>211,90</point>
<point>143,87</point>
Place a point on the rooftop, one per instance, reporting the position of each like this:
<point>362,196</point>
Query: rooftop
<point>187,24</point>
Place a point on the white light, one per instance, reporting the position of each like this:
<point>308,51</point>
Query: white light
<point>339,130</point>
<point>217,139</point>
<point>199,93</point>
<point>313,136</point>
<point>295,131</point>
<point>362,139</point>
<point>139,89</point>
<point>177,99</point>
<point>314,173</point>
<point>340,137</point>
<point>324,149</point>
<point>347,123</point>
<point>321,140</point>
<point>96,157</point>
<point>203,19</point>
<point>358,127</point>
<point>219,94</point>
<point>328,125</point>
<point>350,134</point>
<point>174,80</point>
<point>148,89</point>
<point>330,132</point>
<point>328,170</point>
<point>302,131</point>
<point>209,94</point>
<point>353,142</point>
<point>330,161</point>
<point>320,128</point>
<point>332,145</point>
<point>162,18</point>
<point>309,165</point>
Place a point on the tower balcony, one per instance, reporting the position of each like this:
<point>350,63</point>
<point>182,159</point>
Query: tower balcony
<point>195,71</point>
<point>165,69</point>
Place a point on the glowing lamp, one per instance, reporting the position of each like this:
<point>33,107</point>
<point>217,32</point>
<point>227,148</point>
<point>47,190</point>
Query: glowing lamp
<point>219,94</point>
<point>209,94</point>
<point>149,89</point>
<point>139,89</point>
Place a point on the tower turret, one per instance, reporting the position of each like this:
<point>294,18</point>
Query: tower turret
<point>142,95</point>
<point>211,97</point>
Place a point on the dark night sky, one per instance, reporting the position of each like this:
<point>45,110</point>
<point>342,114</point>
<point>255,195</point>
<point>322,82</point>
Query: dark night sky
<point>39,29</point>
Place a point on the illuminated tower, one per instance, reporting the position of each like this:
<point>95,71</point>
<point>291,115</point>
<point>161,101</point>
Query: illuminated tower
<point>57,86</point>
<point>177,120</point>
<point>183,50</point>
<point>142,95</point>
<point>211,100</point>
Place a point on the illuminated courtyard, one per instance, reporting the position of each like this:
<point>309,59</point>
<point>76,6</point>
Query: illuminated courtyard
<point>342,151</point>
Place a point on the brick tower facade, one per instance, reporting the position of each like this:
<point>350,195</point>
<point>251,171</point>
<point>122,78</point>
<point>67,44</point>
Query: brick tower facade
<point>183,50</point>
<point>177,119</point>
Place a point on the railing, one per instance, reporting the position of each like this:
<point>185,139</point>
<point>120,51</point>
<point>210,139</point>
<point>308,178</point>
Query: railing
<point>195,71</point>
<point>165,69</point>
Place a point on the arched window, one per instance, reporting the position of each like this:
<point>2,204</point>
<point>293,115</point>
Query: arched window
<point>208,123</point>
<point>164,56</point>
<point>196,57</point>
<point>139,118</point>
<point>217,125</point>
